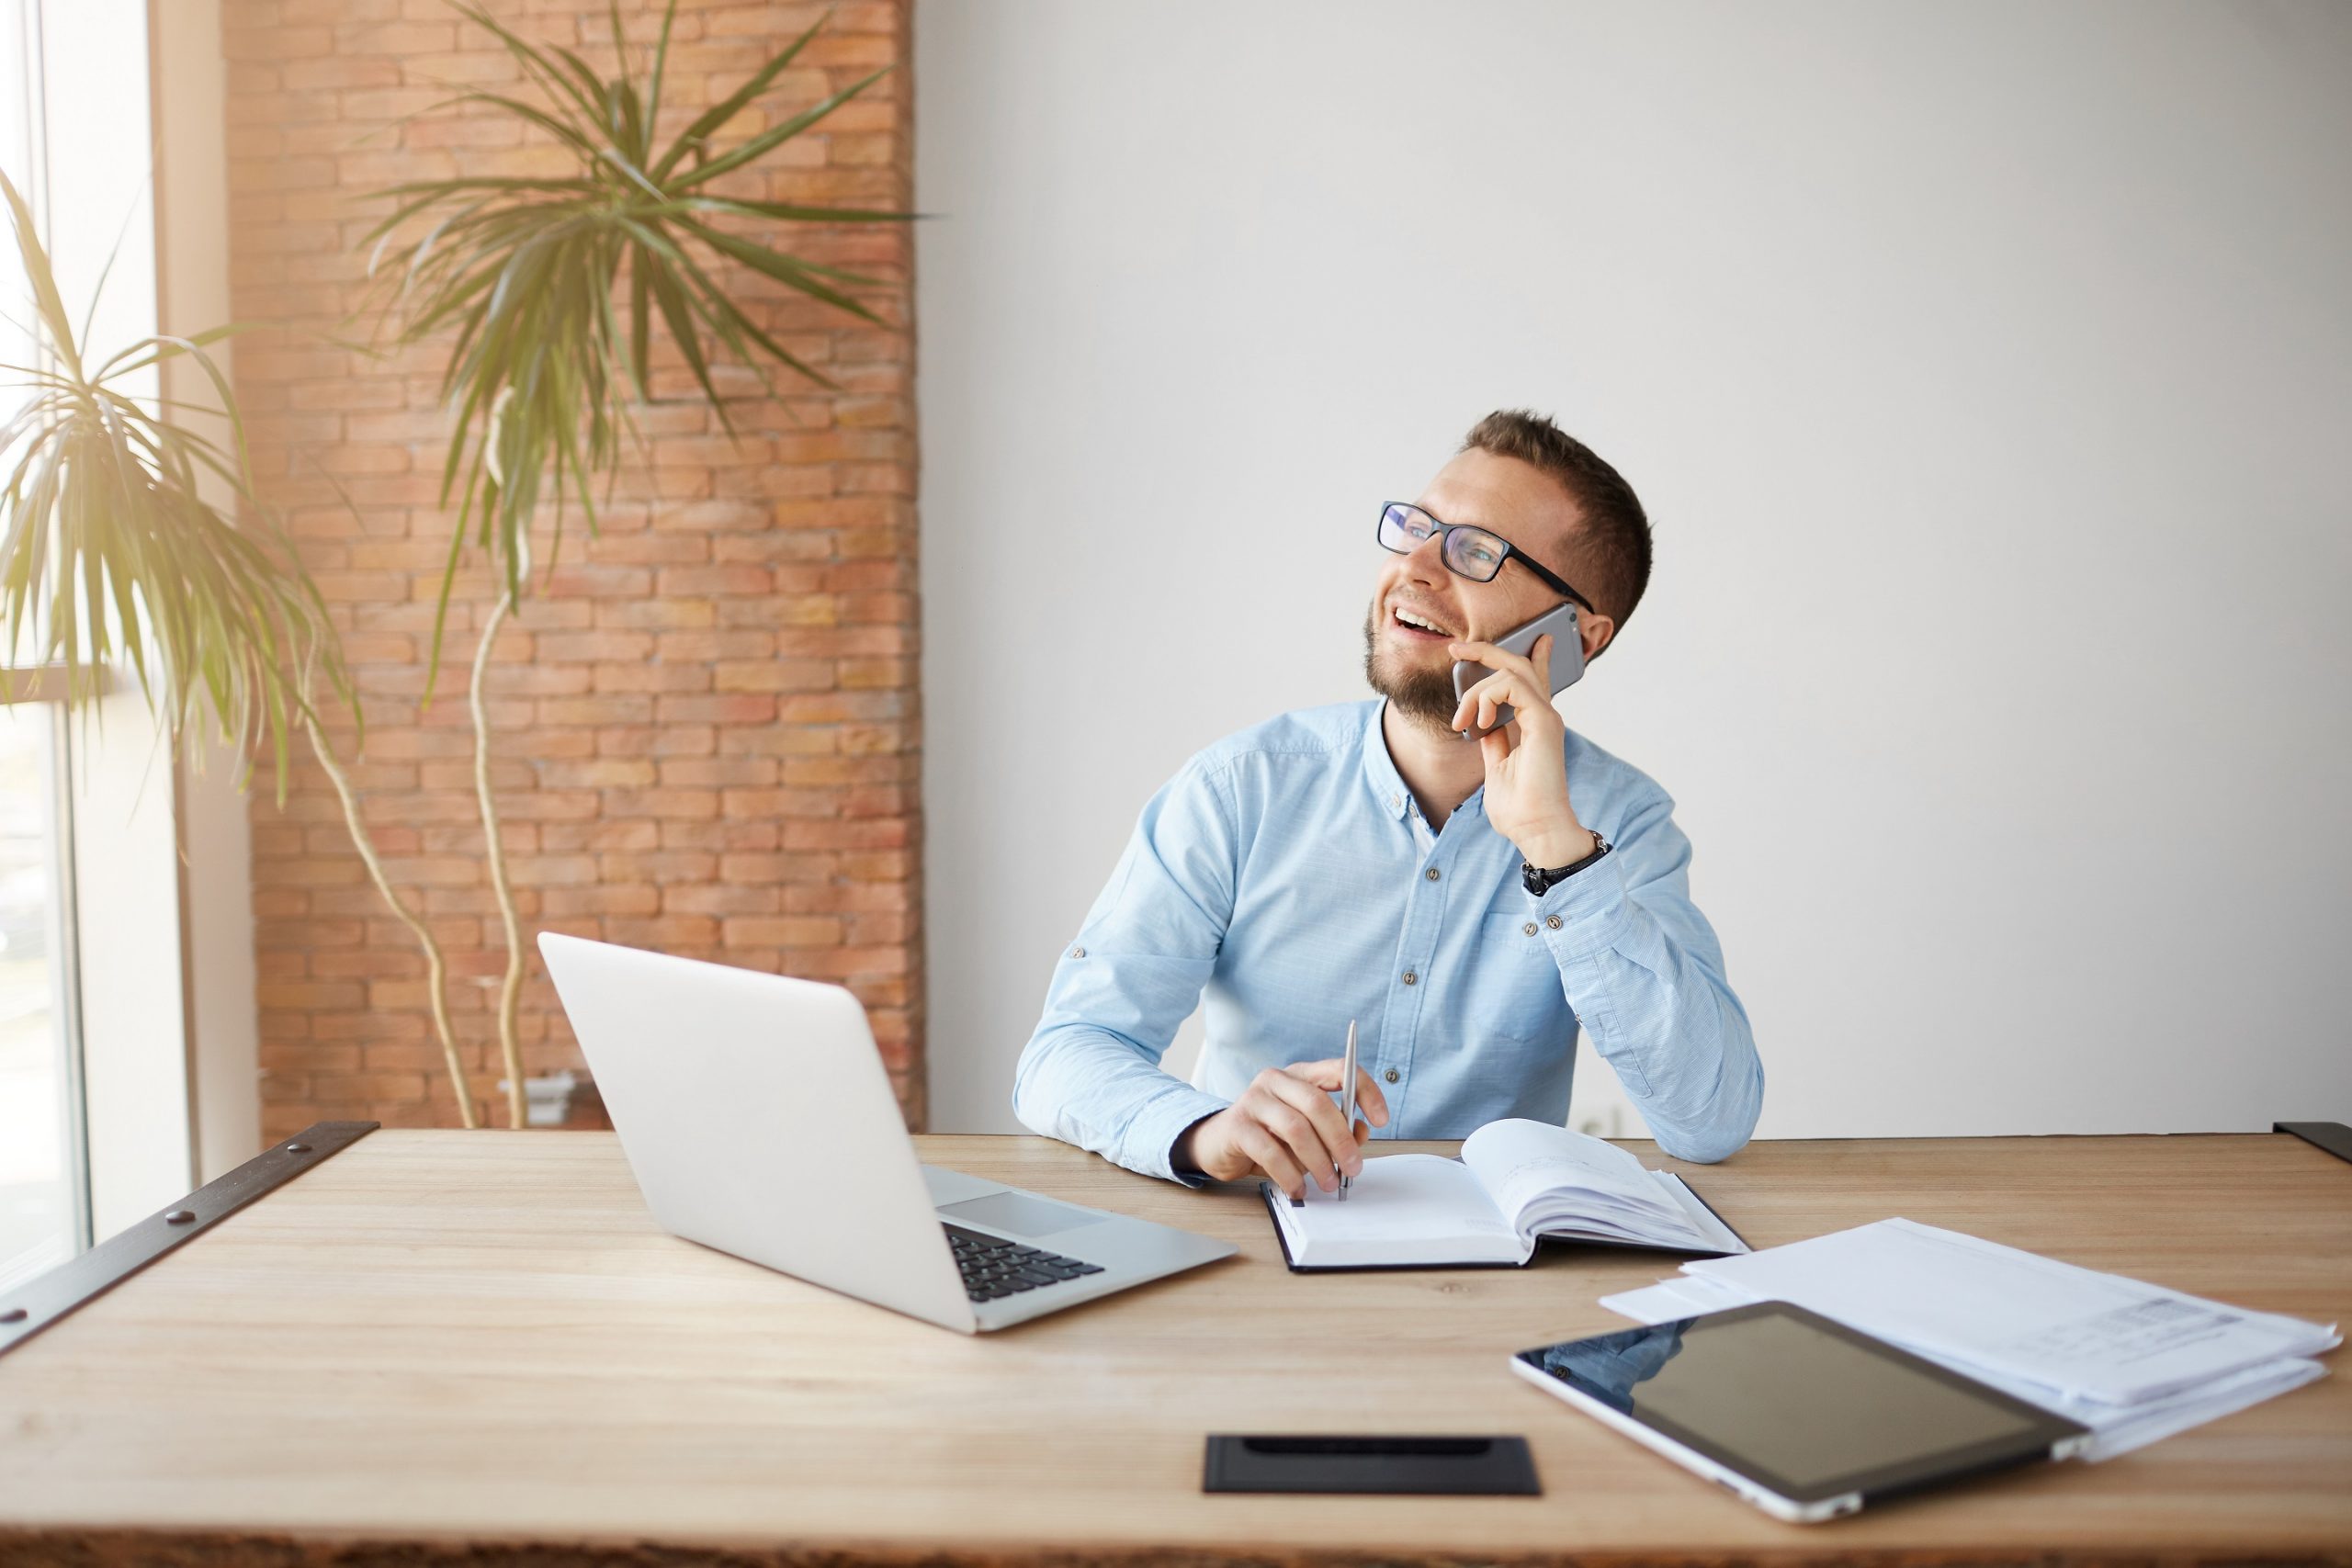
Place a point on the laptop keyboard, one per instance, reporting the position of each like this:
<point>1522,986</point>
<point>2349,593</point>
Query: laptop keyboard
<point>994,1268</point>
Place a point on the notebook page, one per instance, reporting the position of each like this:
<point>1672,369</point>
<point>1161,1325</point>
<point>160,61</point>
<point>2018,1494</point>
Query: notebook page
<point>1711,1228</point>
<point>1402,1208</point>
<point>1548,1178</point>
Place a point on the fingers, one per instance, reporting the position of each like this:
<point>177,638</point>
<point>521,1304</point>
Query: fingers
<point>1517,680</point>
<point>1325,1076</point>
<point>1482,702</point>
<point>1287,1126</point>
<point>1275,1102</point>
<point>1496,745</point>
<point>1324,1130</point>
<point>1492,657</point>
<point>1272,1159</point>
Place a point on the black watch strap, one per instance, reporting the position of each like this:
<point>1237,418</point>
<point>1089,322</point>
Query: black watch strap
<point>1540,882</point>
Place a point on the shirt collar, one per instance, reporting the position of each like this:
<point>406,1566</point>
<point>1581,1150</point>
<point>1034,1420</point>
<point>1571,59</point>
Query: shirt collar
<point>1387,786</point>
<point>1380,773</point>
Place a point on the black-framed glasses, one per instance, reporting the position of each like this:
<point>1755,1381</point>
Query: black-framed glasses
<point>1467,550</point>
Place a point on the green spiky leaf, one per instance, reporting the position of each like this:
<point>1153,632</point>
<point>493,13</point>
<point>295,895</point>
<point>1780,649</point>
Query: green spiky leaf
<point>110,545</point>
<point>545,365</point>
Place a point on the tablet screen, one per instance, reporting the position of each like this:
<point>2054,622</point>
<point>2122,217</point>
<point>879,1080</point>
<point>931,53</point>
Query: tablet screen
<point>1798,1402</point>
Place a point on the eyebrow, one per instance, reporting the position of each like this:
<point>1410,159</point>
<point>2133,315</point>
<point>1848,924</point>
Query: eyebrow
<point>1450,516</point>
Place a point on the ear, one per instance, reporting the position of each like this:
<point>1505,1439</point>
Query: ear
<point>1597,632</point>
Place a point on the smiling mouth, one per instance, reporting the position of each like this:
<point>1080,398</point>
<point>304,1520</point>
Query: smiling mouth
<point>1415,627</point>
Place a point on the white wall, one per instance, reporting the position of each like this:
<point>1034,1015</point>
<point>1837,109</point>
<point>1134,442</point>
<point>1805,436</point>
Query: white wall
<point>1986,370</point>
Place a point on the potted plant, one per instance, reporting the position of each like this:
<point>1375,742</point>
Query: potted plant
<point>113,547</point>
<point>551,292</point>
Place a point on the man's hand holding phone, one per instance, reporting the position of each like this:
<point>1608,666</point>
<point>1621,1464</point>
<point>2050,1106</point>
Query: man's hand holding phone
<point>1286,1127</point>
<point>1527,770</point>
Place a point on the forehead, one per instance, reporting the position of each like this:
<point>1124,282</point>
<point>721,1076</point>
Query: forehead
<point>1517,499</point>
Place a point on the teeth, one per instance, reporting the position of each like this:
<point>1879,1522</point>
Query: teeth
<point>1411,619</point>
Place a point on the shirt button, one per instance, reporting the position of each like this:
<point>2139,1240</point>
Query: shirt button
<point>1551,920</point>
<point>1078,952</point>
<point>1430,874</point>
<point>1390,1075</point>
<point>1394,802</point>
<point>1411,978</point>
<point>1526,929</point>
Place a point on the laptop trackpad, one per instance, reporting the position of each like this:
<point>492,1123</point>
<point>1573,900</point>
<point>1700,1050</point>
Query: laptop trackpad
<point>1019,1215</point>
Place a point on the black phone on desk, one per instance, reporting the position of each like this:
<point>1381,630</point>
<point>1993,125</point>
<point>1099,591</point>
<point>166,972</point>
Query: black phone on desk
<point>1568,659</point>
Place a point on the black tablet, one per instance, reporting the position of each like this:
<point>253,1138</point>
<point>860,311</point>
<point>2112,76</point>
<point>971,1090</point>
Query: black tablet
<point>1802,1416</point>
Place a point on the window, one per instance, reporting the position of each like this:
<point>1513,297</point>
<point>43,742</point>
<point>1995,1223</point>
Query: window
<point>44,1186</point>
<point>96,1098</point>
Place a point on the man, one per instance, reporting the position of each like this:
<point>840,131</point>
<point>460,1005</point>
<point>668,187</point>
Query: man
<point>1469,902</point>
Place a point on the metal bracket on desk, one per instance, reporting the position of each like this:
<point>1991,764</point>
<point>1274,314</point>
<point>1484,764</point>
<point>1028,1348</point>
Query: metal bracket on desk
<point>2333,1137</point>
<point>40,1301</point>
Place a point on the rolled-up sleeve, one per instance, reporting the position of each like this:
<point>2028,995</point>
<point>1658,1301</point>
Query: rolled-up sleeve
<point>1644,973</point>
<point>1090,1074</point>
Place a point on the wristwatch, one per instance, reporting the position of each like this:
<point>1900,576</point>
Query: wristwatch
<point>1539,883</point>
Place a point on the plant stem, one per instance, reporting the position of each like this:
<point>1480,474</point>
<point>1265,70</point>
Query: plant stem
<point>510,990</point>
<point>436,968</point>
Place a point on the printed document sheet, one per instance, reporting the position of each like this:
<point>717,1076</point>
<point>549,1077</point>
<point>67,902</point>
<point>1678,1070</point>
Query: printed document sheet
<point>2101,1336</point>
<point>2131,1361</point>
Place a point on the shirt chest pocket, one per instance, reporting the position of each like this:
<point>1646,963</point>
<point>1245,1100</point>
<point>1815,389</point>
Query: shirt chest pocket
<point>1514,984</point>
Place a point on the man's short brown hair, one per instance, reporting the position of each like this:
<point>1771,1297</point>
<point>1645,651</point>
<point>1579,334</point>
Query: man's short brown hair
<point>1614,542</point>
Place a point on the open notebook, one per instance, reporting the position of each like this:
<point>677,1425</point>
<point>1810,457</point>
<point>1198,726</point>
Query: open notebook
<point>1516,1181</point>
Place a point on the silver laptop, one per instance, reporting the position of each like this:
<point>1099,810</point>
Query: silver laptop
<point>758,1120</point>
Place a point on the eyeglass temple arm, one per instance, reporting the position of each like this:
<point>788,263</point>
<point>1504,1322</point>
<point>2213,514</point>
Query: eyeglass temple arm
<point>1556,583</point>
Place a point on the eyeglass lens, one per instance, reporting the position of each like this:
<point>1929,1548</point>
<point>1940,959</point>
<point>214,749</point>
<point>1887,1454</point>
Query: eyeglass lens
<point>1469,552</point>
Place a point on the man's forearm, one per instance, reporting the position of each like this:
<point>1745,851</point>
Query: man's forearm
<point>1094,1087</point>
<point>1663,1019</point>
<point>1689,1048</point>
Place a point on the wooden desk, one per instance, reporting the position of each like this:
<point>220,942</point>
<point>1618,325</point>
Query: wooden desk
<point>440,1341</point>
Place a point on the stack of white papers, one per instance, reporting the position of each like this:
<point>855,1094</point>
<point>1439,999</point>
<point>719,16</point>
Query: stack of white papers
<point>2131,1361</point>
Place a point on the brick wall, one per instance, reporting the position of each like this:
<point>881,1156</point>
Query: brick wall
<point>707,731</point>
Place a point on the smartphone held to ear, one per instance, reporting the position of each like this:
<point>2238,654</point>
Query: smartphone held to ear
<point>1568,659</point>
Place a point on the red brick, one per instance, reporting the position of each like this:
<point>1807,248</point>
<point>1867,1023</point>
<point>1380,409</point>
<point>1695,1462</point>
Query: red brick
<point>704,647</point>
<point>563,903</point>
<point>774,675</point>
<point>704,716</point>
<point>302,994</point>
<point>731,709</point>
<point>761,931</point>
<point>669,932</point>
<point>705,898</point>
<point>625,834</point>
<point>685,582</point>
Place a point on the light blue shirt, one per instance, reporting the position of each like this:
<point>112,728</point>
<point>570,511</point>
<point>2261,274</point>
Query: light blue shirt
<point>1285,881</point>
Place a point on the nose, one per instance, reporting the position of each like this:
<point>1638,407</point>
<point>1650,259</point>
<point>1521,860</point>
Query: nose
<point>1428,558</point>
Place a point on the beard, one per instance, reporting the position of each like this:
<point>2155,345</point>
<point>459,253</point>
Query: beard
<point>1424,697</point>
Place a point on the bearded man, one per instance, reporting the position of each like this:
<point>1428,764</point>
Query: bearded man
<point>1472,895</point>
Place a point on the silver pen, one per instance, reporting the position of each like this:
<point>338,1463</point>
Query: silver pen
<point>1348,1099</point>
